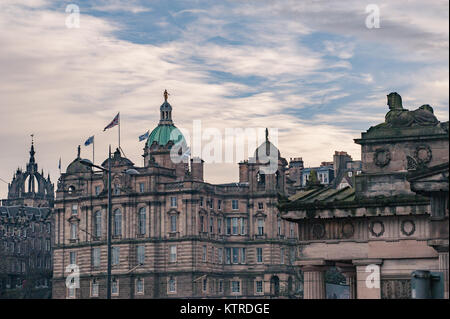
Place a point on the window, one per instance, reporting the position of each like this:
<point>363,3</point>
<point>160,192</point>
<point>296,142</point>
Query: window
<point>205,285</point>
<point>219,226</point>
<point>98,224</point>
<point>116,189</point>
<point>115,254</point>
<point>279,226</point>
<point>292,255</point>
<point>201,201</point>
<point>259,286</point>
<point>142,221</point>
<point>242,222</point>
<point>291,230</point>
<point>141,254</point>
<point>220,255</point>
<point>117,223</point>
<point>235,255</point>
<point>73,231</point>
<point>235,225</point>
<point>220,286</point>
<point>141,187</point>
<point>173,223</point>
<point>139,286</point>
<point>260,226</point>
<point>173,201</point>
<point>259,255</point>
<point>235,286</point>
<point>219,204</point>
<point>97,190</point>
<point>96,257</point>
<point>202,224</point>
<point>228,220</point>
<point>234,204</point>
<point>74,209</point>
<point>282,256</point>
<point>47,245</point>
<point>94,288</point>
<point>204,253</point>
<point>242,255</point>
<point>260,205</point>
<point>115,287</point>
<point>172,285</point>
<point>228,255</point>
<point>173,254</point>
<point>211,225</point>
<point>73,258</point>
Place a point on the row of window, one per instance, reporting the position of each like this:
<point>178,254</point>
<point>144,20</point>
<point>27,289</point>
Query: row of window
<point>27,246</point>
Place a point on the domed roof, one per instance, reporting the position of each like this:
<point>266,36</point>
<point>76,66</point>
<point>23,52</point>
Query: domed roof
<point>118,160</point>
<point>76,166</point>
<point>162,134</point>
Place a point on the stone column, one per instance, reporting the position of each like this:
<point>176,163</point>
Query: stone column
<point>313,278</point>
<point>368,278</point>
<point>443,267</point>
<point>349,272</point>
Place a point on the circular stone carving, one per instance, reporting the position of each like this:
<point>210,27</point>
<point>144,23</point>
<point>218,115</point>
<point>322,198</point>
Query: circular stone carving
<point>376,228</point>
<point>382,157</point>
<point>348,230</point>
<point>318,231</point>
<point>423,154</point>
<point>408,227</point>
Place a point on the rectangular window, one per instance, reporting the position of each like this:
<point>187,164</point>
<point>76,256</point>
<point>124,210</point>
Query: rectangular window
<point>204,253</point>
<point>205,285</point>
<point>201,201</point>
<point>211,225</point>
<point>172,285</point>
<point>173,254</point>
<point>220,286</point>
<point>228,220</point>
<point>259,286</point>
<point>211,204</point>
<point>73,231</point>
<point>235,286</point>
<point>142,221</point>
<point>97,190</point>
<point>219,204</point>
<point>96,257</point>
<point>235,255</point>
<point>235,225</point>
<point>242,255</point>
<point>74,209</point>
<point>291,230</point>
<point>173,201</point>
<point>116,189</point>
<point>220,255</point>
<point>73,258</point>
<point>115,254</point>
<point>141,254</point>
<point>234,204</point>
<point>228,255</point>
<point>260,226</point>
<point>259,255</point>
<point>139,286</point>
<point>292,255</point>
<point>282,256</point>
<point>115,287</point>
<point>219,226</point>
<point>260,205</point>
<point>141,187</point>
<point>242,222</point>
<point>94,288</point>
<point>173,223</point>
<point>202,224</point>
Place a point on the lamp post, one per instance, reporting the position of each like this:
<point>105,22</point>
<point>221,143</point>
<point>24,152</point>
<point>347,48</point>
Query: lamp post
<point>131,171</point>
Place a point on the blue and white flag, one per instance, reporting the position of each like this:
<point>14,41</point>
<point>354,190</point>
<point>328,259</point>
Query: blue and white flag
<point>59,164</point>
<point>89,141</point>
<point>143,136</point>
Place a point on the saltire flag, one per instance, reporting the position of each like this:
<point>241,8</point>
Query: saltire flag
<point>113,123</point>
<point>89,141</point>
<point>59,164</point>
<point>144,136</point>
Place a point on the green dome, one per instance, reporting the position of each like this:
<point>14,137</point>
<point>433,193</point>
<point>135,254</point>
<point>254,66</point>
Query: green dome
<point>162,134</point>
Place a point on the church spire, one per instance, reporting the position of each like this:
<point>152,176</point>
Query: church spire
<point>32,152</point>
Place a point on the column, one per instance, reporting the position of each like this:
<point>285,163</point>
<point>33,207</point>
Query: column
<point>349,272</point>
<point>314,279</point>
<point>443,267</point>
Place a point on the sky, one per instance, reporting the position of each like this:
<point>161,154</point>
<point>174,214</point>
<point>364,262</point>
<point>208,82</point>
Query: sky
<point>311,69</point>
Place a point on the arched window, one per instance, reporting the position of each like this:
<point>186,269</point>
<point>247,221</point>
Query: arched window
<point>98,224</point>
<point>117,222</point>
<point>142,220</point>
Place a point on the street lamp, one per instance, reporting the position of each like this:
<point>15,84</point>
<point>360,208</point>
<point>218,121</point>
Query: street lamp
<point>130,171</point>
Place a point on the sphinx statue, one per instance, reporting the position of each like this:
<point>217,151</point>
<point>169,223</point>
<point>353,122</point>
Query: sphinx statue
<point>400,117</point>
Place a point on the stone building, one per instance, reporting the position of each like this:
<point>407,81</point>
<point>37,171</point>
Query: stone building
<point>25,235</point>
<point>174,235</point>
<point>392,222</point>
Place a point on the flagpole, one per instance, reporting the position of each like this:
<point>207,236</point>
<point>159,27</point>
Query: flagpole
<point>119,131</point>
<point>93,150</point>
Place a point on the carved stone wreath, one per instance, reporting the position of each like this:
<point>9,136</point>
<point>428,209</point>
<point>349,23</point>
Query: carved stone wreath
<point>408,224</point>
<point>423,154</point>
<point>318,231</point>
<point>373,228</point>
<point>347,229</point>
<point>382,157</point>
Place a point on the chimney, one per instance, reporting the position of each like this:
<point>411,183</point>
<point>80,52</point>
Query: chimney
<point>197,169</point>
<point>340,160</point>
<point>243,172</point>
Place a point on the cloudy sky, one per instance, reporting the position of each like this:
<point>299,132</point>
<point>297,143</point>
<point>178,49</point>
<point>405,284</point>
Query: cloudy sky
<point>310,68</point>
